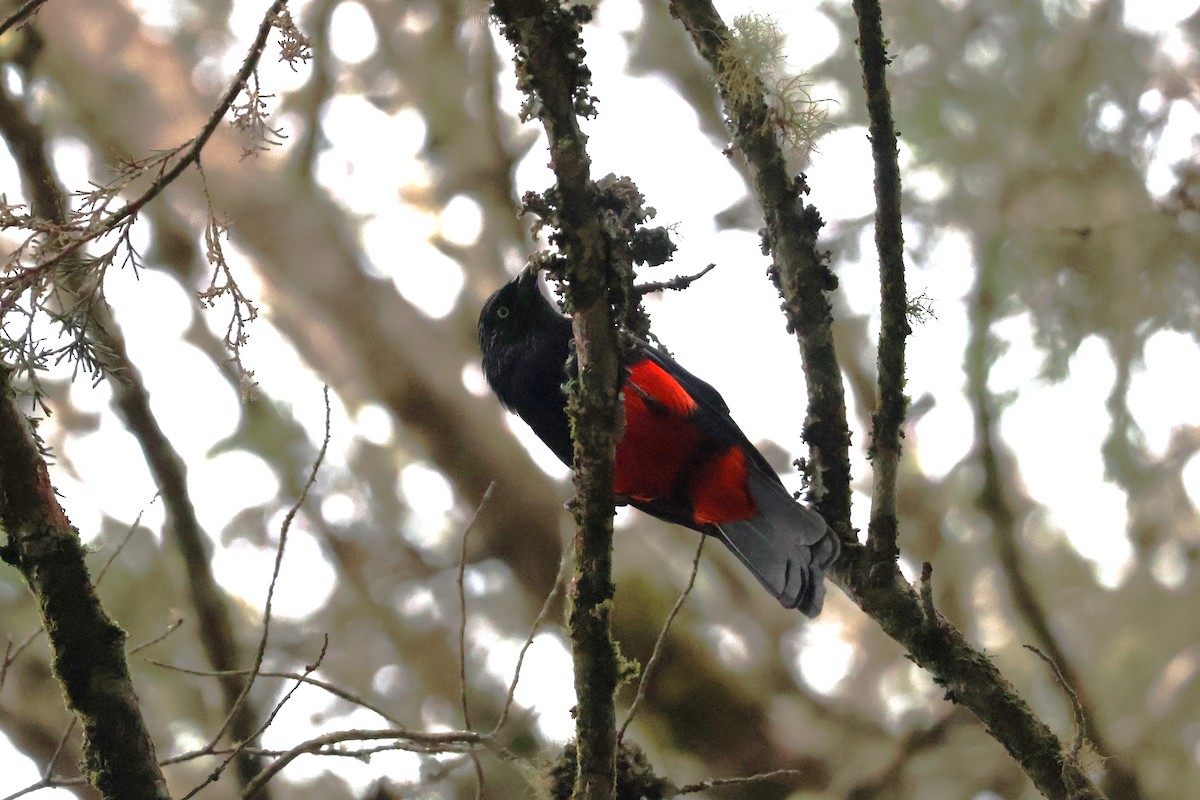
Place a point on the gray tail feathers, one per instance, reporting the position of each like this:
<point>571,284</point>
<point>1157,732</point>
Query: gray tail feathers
<point>788,547</point>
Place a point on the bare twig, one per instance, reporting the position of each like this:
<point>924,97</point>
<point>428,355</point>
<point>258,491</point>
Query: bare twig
<point>533,629</point>
<point>462,634</point>
<point>174,626</point>
<point>190,155</point>
<point>462,604</point>
<point>294,676</point>
<point>12,651</point>
<point>656,653</point>
<point>21,15</point>
<point>417,741</point>
<point>284,529</point>
<point>1072,756</point>
<point>256,669</point>
<point>678,283</point>
<point>124,541</point>
<point>712,783</point>
<point>241,746</point>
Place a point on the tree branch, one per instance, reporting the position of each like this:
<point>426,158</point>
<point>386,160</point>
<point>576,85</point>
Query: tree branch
<point>190,155</point>
<point>893,297</point>
<point>21,15</point>
<point>800,271</point>
<point>876,585</point>
<point>550,69</point>
<point>88,647</point>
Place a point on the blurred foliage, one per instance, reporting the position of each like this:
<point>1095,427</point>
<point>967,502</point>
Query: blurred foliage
<point>1029,128</point>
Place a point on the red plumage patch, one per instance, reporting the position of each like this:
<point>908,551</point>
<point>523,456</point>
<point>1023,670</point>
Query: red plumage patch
<point>659,438</point>
<point>720,490</point>
<point>663,446</point>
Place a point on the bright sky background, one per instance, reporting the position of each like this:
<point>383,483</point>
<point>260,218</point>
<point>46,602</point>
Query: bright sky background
<point>360,173</point>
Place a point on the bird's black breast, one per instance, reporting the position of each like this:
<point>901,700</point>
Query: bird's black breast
<point>527,373</point>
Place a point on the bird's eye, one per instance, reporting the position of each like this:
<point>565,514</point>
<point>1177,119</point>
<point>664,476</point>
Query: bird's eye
<point>502,312</point>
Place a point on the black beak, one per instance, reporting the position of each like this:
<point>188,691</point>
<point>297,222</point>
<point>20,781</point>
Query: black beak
<point>527,279</point>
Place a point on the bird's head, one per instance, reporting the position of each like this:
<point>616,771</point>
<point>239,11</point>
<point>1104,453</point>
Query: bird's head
<point>515,312</point>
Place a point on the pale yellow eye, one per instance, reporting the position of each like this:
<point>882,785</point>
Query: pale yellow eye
<point>502,312</point>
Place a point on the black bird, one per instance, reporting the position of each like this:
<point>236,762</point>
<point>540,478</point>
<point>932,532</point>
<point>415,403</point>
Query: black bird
<point>682,457</point>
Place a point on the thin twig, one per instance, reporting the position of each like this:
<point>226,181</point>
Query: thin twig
<point>656,653</point>
<point>190,155</point>
<point>1076,706</point>
<point>284,529</point>
<point>62,743</point>
<point>124,541</point>
<point>692,788</point>
<point>242,745</point>
<point>462,604</point>
<point>21,15</point>
<point>174,626</point>
<point>462,634</point>
<point>294,676</point>
<point>537,622</point>
<point>677,284</point>
<point>448,741</point>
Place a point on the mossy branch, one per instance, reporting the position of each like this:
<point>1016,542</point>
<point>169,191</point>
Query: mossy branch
<point>799,269</point>
<point>550,69</point>
<point>88,648</point>
<point>875,584</point>
<point>893,297</point>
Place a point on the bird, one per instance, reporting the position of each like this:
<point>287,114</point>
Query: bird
<point>681,457</point>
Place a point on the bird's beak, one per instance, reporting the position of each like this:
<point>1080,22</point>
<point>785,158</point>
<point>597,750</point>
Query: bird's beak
<point>527,280</point>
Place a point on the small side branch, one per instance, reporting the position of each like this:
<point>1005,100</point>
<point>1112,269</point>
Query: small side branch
<point>189,155</point>
<point>21,15</point>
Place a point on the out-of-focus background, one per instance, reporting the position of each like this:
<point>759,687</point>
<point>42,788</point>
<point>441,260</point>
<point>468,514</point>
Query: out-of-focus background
<point>1051,476</point>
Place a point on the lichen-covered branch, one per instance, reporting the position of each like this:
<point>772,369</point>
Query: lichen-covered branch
<point>875,584</point>
<point>893,297</point>
<point>88,648</point>
<point>800,270</point>
<point>550,69</point>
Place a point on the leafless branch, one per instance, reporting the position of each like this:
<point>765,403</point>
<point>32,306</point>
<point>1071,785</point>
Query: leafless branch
<point>293,676</point>
<point>21,15</point>
<point>462,604</point>
<point>554,592</point>
<point>403,739</point>
<point>712,783</point>
<point>190,154</point>
<point>678,283</point>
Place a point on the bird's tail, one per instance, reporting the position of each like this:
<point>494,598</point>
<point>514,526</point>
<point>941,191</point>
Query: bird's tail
<point>788,547</point>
